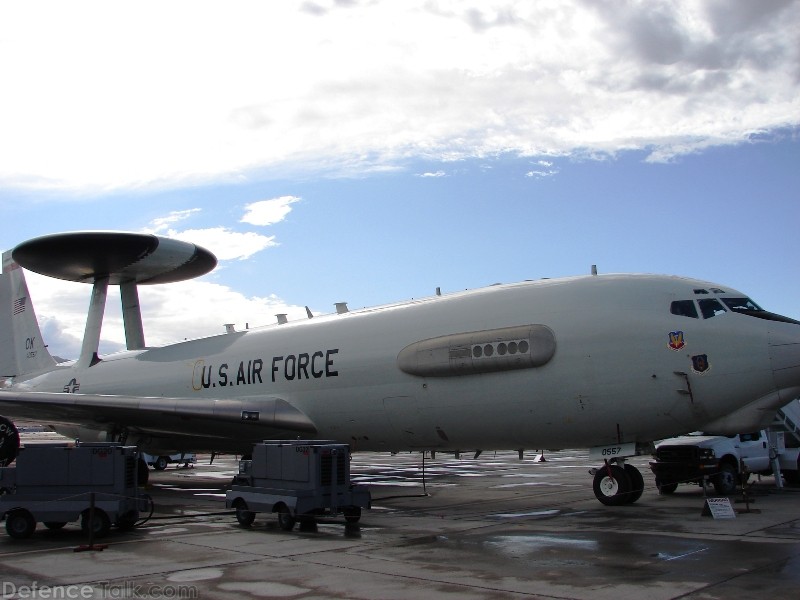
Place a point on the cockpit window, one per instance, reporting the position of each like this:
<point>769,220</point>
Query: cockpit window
<point>684,308</point>
<point>745,306</point>
<point>741,304</point>
<point>710,307</point>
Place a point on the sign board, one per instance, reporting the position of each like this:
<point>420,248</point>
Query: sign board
<point>718,508</point>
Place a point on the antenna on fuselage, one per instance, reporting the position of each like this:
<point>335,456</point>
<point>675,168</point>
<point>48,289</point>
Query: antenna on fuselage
<point>105,258</point>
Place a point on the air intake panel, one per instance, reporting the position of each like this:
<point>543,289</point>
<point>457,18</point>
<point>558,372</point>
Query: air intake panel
<point>487,351</point>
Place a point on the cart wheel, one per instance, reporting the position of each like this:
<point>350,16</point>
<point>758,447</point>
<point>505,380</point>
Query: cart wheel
<point>101,524</point>
<point>161,463</point>
<point>127,521</point>
<point>285,519</point>
<point>352,514</point>
<point>20,524</point>
<point>243,515</point>
<point>55,524</point>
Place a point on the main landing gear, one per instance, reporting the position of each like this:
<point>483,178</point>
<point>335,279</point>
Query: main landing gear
<point>616,483</point>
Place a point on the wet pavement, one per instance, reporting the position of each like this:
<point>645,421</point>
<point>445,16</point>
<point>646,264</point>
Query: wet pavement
<point>492,527</point>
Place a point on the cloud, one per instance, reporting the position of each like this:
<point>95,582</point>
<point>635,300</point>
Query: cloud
<point>170,313</point>
<point>225,243</point>
<point>434,174</point>
<point>267,89</point>
<point>268,212</point>
<point>163,223</point>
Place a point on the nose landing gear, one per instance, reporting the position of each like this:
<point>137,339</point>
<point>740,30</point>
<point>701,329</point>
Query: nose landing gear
<point>617,483</point>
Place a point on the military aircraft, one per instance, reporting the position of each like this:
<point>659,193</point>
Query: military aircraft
<point>608,362</point>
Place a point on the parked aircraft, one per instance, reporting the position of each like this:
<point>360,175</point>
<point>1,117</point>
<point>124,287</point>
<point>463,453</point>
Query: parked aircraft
<point>610,362</point>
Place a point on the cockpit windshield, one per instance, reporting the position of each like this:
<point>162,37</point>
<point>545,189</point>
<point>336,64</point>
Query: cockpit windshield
<point>742,305</point>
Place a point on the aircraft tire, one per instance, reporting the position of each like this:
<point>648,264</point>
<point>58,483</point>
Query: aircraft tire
<point>285,519</point>
<point>637,483</point>
<point>20,524</point>
<point>101,524</point>
<point>611,485</point>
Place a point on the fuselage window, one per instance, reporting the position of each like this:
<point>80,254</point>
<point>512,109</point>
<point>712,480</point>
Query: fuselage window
<point>684,308</point>
<point>711,307</point>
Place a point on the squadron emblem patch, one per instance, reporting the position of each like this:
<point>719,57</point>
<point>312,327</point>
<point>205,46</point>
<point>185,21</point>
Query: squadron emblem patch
<point>676,340</point>
<point>700,363</point>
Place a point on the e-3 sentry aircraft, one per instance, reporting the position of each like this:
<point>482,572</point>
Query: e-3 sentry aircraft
<point>610,362</point>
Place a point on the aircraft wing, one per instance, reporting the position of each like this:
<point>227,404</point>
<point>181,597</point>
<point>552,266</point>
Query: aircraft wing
<point>247,418</point>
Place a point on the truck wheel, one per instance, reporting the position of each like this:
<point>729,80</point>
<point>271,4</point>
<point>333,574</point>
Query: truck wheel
<point>20,524</point>
<point>285,519</point>
<point>243,515</point>
<point>352,514</point>
<point>611,485</point>
<point>666,488</point>
<point>161,463</point>
<point>725,481</point>
<point>55,524</point>
<point>101,524</point>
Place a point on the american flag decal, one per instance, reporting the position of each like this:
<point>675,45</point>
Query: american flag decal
<point>19,305</point>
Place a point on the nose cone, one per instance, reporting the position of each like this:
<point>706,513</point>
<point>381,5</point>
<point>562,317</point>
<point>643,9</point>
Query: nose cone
<point>784,353</point>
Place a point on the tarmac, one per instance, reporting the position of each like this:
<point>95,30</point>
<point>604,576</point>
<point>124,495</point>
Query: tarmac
<point>487,528</point>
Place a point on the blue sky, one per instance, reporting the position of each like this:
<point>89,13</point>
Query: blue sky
<point>369,152</point>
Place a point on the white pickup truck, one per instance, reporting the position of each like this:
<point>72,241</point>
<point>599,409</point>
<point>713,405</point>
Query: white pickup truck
<point>721,459</point>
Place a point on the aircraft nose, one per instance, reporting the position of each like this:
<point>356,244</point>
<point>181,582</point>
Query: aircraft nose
<point>784,353</point>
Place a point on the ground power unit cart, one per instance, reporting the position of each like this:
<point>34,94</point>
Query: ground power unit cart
<point>55,484</point>
<point>298,480</point>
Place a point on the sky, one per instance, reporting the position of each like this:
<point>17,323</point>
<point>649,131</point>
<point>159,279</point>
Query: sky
<point>372,151</point>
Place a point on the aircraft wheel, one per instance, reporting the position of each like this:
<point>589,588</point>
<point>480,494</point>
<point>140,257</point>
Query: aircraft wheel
<point>20,524</point>
<point>725,481</point>
<point>611,485</point>
<point>55,524</point>
<point>285,519</point>
<point>100,523</point>
<point>352,514</point>
<point>637,483</point>
<point>243,515</point>
<point>161,463</point>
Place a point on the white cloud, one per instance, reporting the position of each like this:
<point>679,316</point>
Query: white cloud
<point>163,223</point>
<point>434,174</point>
<point>170,313</point>
<point>217,93</point>
<point>268,212</point>
<point>225,243</point>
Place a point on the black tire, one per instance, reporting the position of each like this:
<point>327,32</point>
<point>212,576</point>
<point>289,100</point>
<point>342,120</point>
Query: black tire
<point>161,463</point>
<point>243,515</point>
<point>127,521</point>
<point>101,524</point>
<point>666,488</point>
<point>285,519</point>
<point>637,483</point>
<point>55,524</point>
<point>726,480</point>
<point>611,485</point>
<point>142,472</point>
<point>20,524</point>
<point>352,514</point>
